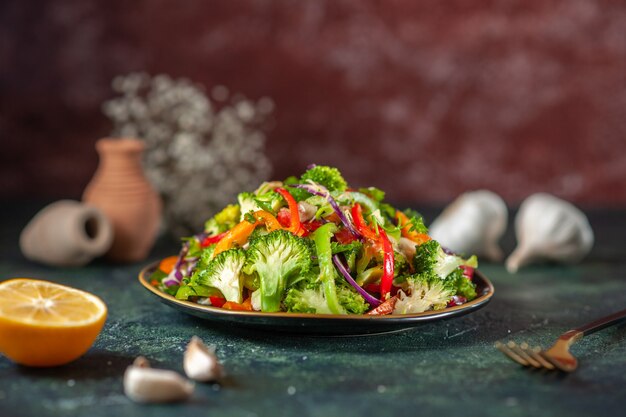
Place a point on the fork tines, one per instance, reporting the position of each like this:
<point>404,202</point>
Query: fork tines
<point>525,355</point>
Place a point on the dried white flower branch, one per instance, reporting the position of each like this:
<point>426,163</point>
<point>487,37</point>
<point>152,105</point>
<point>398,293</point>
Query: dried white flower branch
<point>200,151</point>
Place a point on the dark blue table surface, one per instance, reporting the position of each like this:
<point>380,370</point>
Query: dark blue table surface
<point>444,368</point>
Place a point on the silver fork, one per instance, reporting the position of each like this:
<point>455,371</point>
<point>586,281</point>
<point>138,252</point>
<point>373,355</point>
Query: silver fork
<point>558,356</point>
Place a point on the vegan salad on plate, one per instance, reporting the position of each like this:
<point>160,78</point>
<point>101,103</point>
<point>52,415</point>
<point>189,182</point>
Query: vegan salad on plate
<point>312,244</point>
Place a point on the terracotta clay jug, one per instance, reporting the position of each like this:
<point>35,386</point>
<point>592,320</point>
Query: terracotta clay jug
<point>120,189</point>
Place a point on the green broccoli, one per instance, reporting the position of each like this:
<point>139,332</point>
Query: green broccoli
<point>223,273</point>
<point>351,300</point>
<point>327,176</point>
<point>401,264</point>
<point>247,203</point>
<point>277,258</point>
<point>431,261</point>
<point>425,292</point>
<point>223,221</point>
<point>463,285</point>
<point>430,257</point>
<point>306,300</point>
<point>311,299</point>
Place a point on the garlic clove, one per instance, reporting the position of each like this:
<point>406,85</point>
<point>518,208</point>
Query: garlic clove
<point>143,384</point>
<point>472,225</point>
<point>200,362</point>
<point>552,229</point>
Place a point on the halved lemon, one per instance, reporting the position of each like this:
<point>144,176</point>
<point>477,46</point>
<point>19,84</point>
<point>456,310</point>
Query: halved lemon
<point>47,324</point>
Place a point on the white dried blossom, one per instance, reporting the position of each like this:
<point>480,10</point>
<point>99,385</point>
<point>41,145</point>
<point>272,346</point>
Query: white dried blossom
<point>200,151</point>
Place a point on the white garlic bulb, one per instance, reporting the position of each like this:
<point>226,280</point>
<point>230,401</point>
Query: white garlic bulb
<point>147,385</point>
<point>200,362</point>
<point>549,228</point>
<point>472,225</point>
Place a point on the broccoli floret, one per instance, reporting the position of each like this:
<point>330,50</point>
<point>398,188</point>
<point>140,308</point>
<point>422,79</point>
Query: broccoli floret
<point>250,202</point>
<point>424,293</point>
<point>309,298</point>
<point>327,176</point>
<point>247,203</point>
<point>223,273</point>
<point>463,286</point>
<point>401,264</point>
<point>430,258</point>
<point>276,258</point>
<point>431,261</point>
<point>223,221</point>
<point>306,300</point>
<point>351,300</point>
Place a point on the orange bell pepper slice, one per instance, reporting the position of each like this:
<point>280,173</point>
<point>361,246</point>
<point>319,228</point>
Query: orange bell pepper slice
<point>167,264</point>
<point>245,306</point>
<point>404,223</point>
<point>271,223</point>
<point>240,233</point>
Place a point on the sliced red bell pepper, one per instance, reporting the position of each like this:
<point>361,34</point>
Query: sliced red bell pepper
<point>468,271</point>
<point>311,226</point>
<point>209,240</point>
<point>283,217</point>
<point>388,255</point>
<point>375,289</point>
<point>295,226</point>
<point>217,301</point>
<point>345,236</point>
<point>388,265</point>
<point>361,226</point>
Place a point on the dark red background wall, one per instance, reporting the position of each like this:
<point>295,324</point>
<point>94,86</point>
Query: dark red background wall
<point>424,98</point>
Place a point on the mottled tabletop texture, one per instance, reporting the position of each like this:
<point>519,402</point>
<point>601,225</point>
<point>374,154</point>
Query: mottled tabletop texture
<point>443,368</point>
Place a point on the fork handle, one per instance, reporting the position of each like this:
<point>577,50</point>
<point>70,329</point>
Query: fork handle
<point>594,326</point>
